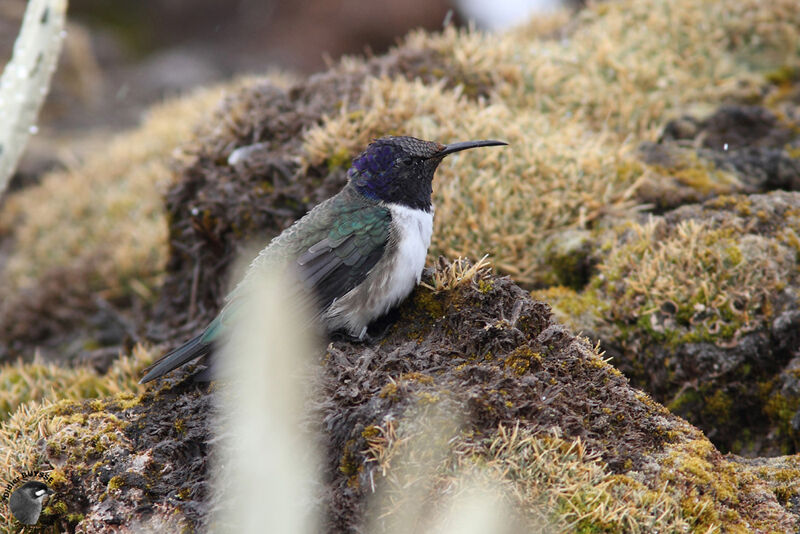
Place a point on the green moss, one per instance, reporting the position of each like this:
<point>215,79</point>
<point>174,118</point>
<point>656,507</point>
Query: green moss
<point>577,309</point>
<point>785,74</point>
<point>58,508</point>
<point>349,464</point>
<point>781,409</point>
<point>389,391</point>
<point>740,204</point>
<point>426,397</point>
<point>485,286</point>
<point>57,478</point>
<point>687,399</point>
<point>339,159</point>
<point>566,270</point>
<point>734,254</point>
<point>713,488</point>
<point>115,483</point>
<point>521,359</point>
<point>371,431</point>
<point>429,303</point>
<point>718,405</point>
<point>629,170</point>
<point>416,377</point>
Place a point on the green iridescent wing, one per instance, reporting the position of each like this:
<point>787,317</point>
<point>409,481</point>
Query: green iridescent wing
<point>331,250</point>
<point>341,260</point>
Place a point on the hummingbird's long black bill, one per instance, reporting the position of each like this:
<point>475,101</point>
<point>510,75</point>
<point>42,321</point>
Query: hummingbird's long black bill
<point>464,145</point>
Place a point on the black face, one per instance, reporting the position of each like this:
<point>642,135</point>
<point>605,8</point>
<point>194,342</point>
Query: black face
<point>35,489</point>
<point>400,169</point>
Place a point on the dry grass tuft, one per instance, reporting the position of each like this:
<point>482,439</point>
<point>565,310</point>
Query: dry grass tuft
<point>460,271</point>
<point>573,111</point>
<point>35,382</point>
<point>555,485</point>
<point>106,213</point>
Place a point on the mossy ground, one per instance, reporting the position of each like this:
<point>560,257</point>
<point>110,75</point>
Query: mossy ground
<point>112,460</point>
<point>527,405</point>
<point>575,103</point>
<point>501,389</point>
<point>35,382</point>
<point>700,307</point>
<point>83,252</point>
<point>63,422</point>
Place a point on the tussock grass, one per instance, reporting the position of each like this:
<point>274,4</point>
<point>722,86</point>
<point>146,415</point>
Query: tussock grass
<point>460,271</point>
<point>573,111</point>
<point>553,484</point>
<point>105,215</point>
<point>34,382</point>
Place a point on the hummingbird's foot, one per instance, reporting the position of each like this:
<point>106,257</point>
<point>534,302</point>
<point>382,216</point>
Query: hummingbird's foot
<point>382,330</point>
<point>341,335</point>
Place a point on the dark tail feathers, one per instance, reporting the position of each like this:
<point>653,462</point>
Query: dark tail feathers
<point>194,348</point>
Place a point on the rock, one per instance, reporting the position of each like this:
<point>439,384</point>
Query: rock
<point>737,149</point>
<point>478,350</point>
<point>700,308</point>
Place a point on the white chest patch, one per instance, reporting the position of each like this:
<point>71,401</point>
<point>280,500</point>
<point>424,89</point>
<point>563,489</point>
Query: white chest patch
<point>414,229</point>
<point>392,278</point>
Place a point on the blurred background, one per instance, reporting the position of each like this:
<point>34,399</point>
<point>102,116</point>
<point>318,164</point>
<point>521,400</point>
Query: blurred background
<point>121,56</point>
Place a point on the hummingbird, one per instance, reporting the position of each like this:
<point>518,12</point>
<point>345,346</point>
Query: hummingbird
<point>359,253</point>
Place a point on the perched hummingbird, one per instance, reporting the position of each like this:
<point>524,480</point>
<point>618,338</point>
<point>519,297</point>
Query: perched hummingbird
<point>360,252</point>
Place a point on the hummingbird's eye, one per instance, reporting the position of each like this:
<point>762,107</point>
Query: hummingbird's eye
<point>408,161</point>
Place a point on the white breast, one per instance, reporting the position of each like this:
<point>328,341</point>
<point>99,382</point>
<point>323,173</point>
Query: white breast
<point>392,278</point>
<point>414,229</point>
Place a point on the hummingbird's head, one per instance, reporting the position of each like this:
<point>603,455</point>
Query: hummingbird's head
<point>400,170</point>
<point>35,490</point>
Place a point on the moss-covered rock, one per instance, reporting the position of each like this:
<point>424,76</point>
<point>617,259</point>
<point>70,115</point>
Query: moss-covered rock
<point>736,149</point>
<point>520,401</point>
<point>272,152</point>
<point>573,100</point>
<point>700,307</point>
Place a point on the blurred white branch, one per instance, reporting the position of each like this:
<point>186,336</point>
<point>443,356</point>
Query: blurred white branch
<point>26,79</point>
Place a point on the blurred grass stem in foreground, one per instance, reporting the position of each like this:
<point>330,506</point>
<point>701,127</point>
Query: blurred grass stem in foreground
<point>267,466</point>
